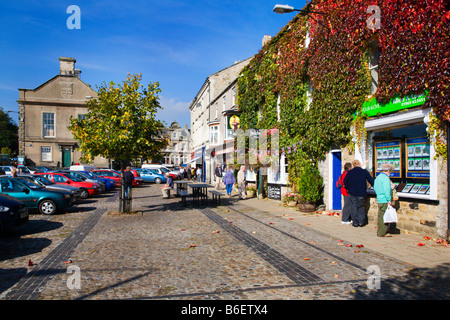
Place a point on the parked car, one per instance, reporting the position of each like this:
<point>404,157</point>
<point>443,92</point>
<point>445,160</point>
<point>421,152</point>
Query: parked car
<point>150,176</point>
<point>44,182</point>
<point>82,167</point>
<point>109,183</point>
<point>43,169</point>
<point>7,169</point>
<point>34,196</point>
<point>161,170</point>
<point>109,174</point>
<point>87,188</point>
<point>137,178</point>
<point>80,175</point>
<point>13,213</point>
<point>28,169</point>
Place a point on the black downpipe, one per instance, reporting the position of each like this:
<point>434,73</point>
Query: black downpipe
<point>448,177</point>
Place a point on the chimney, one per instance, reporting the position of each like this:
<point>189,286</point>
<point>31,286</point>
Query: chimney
<point>67,66</point>
<point>266,39</point>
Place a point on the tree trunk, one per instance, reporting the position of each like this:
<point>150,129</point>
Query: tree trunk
<point>125,200</point>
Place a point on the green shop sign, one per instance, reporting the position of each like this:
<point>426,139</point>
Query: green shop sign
<point>372,107</point>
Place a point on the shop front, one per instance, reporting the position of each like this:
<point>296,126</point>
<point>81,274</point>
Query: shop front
<point>396,134</point>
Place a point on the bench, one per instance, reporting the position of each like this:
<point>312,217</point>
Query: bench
<point>215,195</point>
<point>183,194</point>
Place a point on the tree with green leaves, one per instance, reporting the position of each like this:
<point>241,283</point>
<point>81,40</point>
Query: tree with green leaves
<point>120,124</point>
<point>8,133</point>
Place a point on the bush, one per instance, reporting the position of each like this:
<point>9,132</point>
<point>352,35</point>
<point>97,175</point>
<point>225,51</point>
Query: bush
<point>309,184</point>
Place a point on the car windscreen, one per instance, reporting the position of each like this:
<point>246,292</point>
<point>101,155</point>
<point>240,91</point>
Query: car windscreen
<point>29,184</point>
<point>73,178</point>
<point>43,180</point>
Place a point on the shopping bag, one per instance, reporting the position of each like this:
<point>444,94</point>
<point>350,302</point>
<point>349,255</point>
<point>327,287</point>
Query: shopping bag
<point>390,216</point>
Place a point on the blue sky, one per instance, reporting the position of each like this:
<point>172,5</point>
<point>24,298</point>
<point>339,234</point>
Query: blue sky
<point>177,43</point>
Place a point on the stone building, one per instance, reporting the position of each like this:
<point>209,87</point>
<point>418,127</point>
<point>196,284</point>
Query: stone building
<point>207,118</point>
<point>177,151</point>
<point>45,113</point>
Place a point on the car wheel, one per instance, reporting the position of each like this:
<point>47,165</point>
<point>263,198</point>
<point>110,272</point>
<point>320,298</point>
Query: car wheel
<point>158,180</point>
<point>84,194</point>
<point>47,207</point>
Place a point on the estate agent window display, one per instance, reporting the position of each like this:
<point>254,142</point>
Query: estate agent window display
<point>407,149</point>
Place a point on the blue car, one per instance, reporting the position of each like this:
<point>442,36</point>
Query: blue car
<point>150,176</point>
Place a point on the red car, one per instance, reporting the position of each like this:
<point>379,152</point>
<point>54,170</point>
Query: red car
<point>115,175</point>
<point>109,174</point>
<point>137,178</point>
<point>87,188</point>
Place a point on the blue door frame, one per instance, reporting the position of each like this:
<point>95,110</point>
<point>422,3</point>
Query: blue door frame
<point>337,169</point>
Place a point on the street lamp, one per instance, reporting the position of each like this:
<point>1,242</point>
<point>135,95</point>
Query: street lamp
<point>284,8</point>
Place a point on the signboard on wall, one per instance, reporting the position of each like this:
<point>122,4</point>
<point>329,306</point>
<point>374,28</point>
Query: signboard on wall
<point>274,191</point>
<point>372,107</point>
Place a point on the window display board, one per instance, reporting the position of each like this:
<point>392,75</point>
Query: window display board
<point>389,152</point>
<point>418,158</point>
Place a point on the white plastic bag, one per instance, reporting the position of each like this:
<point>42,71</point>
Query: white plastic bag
<point>390,216</point>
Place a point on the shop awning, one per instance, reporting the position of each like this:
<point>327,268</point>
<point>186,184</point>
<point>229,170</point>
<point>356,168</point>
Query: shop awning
<point>192,160</point>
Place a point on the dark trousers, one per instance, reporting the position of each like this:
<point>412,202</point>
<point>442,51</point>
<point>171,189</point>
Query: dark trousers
<point>357,212</point>
<point>346,210</point>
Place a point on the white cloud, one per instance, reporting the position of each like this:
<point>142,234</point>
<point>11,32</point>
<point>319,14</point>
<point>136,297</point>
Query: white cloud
<point>174,110</point>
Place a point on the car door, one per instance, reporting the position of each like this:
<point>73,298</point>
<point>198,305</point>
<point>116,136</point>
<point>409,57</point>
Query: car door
<point>19,191</point>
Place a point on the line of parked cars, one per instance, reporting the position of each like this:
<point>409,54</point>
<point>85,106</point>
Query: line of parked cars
<point>48,191</point>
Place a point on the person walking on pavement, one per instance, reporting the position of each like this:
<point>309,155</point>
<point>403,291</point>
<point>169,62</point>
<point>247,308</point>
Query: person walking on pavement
<point>128,179</point>
<point>199,174</point>
<point>356,184</point>
<point>241,182</point>
<point>218,175</point>
<point>346,210</point>
<point>229,180</point>
<point>383,189</point>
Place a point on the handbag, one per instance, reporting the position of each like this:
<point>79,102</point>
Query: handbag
<point>390,216</point>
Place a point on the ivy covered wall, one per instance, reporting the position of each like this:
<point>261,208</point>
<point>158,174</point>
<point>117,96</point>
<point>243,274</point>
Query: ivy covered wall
<point>321,83</point>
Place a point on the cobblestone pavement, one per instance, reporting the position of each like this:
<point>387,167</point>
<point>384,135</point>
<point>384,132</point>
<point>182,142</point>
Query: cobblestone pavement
<point>167,251</point>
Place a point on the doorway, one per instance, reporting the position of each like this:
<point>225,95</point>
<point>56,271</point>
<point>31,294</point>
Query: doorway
<point>336,172</point>
<point>66,159</point>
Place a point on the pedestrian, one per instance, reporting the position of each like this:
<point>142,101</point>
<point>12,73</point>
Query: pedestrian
<point>218,175</point>
<point>241,182</point>
<point>356,184</point>
<point>199,174</point>
<point>383,189</point>
<point>128,179</point>
<point>14,172</point>
<point>165,189</point>
<point>188,173</point>
<point>346,210</point>
<point>229,180</point>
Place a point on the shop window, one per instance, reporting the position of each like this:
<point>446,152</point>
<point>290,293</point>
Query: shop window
<point>407,149</point>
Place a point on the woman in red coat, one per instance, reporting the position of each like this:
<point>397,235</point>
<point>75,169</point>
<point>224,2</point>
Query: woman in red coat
<point>346,218</point>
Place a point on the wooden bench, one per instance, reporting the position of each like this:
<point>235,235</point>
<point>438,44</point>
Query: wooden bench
<point>215,195</point>
<point>183,194</point>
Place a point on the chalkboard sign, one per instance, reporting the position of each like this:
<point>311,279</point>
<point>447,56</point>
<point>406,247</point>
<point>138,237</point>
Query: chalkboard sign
<point>274,191</point>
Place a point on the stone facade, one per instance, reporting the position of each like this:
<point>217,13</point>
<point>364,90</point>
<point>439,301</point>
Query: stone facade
<point>45,115</point>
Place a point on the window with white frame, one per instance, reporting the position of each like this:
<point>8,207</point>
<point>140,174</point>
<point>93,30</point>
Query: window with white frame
<point>46,153</point>
<point>373,55</point>
<point>48,124</point>
<point>234,96</point>
<point>214,134</point>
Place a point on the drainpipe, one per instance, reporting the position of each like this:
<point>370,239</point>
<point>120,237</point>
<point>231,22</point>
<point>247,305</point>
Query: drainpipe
<point>448,179</point>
